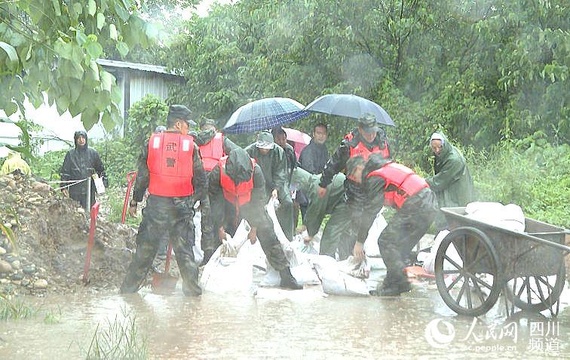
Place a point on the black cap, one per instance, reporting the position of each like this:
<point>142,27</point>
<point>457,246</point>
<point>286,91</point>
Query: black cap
<point>368,123</point>
<point>181,112</point>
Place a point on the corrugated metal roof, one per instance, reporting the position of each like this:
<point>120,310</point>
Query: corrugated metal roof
<point>134,66</point>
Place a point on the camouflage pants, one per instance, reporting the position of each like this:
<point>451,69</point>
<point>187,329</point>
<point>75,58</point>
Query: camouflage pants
<point>285,216</point>
<point>404,231</point>
<point>338,233</point>
<point>270,244</point>
<point>174,217</point>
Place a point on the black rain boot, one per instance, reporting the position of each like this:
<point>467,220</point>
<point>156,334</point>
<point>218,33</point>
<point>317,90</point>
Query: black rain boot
<point>288,281</point>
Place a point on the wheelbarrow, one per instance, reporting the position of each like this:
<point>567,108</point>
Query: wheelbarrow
<point>477,261</point>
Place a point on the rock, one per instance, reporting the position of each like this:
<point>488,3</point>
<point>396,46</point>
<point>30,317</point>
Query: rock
<point>5,267</point>
<point>16,264</point>
<point>38,186</point>
<point>29,269</point>
<point>40,284</point>
<point>17,276</point>
<point>2,250</point>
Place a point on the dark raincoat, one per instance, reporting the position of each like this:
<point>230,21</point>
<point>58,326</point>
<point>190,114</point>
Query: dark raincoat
<point>81,163</point>
<point>313,157</point>
<point>209,236</point>
<point>225,214</point>
<point>318,207</point>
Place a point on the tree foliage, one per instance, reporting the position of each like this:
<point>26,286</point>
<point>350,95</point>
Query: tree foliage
<point>481,71</point>
<point>51,47</point>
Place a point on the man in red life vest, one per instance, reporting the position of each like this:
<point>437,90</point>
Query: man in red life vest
<point>237,191</point>
<point>367,139</point>
<point>213,146</point>
<point>388,183</point>
<point>171,169</point>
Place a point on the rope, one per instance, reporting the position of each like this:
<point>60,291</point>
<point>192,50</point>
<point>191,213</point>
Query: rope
<point>69,182</point>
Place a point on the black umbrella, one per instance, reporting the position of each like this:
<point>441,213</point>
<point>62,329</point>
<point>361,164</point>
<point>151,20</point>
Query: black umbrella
<point>264,114</point>
<point>352,106</point>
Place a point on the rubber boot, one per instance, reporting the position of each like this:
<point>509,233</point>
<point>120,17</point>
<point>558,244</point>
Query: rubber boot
<point>288,281</point>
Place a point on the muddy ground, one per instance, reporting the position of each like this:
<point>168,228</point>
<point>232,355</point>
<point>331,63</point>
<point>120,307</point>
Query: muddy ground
<point>43,242</point>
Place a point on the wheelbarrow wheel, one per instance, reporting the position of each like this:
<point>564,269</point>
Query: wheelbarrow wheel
<point>467,272</point>
<point>536,293</point>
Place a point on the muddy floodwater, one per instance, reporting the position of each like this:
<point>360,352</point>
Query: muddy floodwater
<point>278,324</point>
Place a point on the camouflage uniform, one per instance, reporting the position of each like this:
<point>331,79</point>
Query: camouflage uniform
<point>209,240</point>
<point>166,215</point>
<point>226,213</point>
<point>274,167</point>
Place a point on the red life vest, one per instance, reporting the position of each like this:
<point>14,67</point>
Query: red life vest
<point>401,183</point>
<point>361,150</point>
<point>237,195</point>
<point>212,152</point>
<point>170,164</point>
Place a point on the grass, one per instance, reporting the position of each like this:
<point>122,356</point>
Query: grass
<point>53,317</point>
<point>119,340</point>
<point>15,310</point>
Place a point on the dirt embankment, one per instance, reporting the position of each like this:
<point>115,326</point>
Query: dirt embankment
<point>43,242</point>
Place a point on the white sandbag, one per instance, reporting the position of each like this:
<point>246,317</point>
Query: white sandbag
<point>285,243</point>
<point>227,271</point>
<point>310,247</point>
<point>428,258</point>
<point>304,273</point>
<point>225,274</point>
<point>353,267</point>
<point>371,243</point>
<point>510,217</point>
<point>336,282</point>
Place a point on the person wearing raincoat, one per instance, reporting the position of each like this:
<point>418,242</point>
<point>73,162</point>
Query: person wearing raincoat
<point>273,163</point>
<point>313,158</point>
<point>15,164</point>
<point>451,181</point>
<point>237,191</point>
<point>79,165</point>
<point>213,146</point>
<point>387,183</point>
<point>337,237</point>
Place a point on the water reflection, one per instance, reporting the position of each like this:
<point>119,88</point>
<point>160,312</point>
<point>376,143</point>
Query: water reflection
<point>289,325</point>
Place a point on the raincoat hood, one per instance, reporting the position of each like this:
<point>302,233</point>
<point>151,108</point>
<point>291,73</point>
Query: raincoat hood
<point>238,166</point>
<point>77,135</point>
<point>203,137</point>
<point>446,146</point>
<point>375,162</point>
